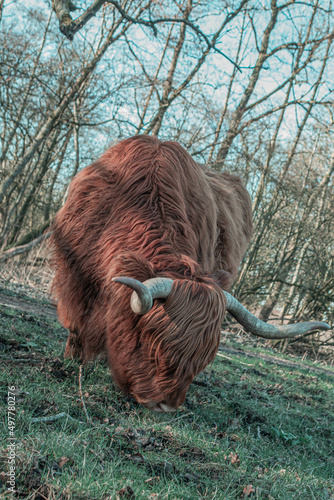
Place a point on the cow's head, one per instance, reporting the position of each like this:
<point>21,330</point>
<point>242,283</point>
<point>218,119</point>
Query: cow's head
<point>178,328</point>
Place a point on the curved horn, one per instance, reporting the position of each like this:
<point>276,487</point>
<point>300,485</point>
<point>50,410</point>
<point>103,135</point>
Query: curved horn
<point>265,330</point>
<point>144,293</point>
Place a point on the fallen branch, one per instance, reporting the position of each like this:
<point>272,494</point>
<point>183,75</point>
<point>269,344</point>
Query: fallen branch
<point>275,361</point>
<point>55,417</point>
<point>22,249</point>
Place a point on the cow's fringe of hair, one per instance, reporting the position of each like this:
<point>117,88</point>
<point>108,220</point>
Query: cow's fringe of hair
<point>180,338</point>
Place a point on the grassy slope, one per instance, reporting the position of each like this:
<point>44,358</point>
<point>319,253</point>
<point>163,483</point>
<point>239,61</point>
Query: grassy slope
<point>256,430</point>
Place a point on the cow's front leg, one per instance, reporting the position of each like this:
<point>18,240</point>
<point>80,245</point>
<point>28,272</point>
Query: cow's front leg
<point>74,348</point>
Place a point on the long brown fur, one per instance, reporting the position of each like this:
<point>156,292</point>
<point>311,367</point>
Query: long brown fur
<point>146,209</point>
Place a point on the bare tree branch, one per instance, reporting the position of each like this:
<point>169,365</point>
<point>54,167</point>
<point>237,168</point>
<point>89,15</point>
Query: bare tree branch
<point>70,27</point>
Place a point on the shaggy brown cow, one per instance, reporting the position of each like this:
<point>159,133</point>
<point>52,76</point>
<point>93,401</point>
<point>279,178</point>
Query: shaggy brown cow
<point>146,211</point>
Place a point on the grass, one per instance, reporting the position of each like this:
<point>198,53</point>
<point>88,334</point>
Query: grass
<point>248,429</point>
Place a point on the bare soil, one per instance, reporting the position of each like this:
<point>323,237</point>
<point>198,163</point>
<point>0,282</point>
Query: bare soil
<point>28,307</point>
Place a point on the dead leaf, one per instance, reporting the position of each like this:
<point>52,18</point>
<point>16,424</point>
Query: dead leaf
<point>261,470</point>
<point>234,457</point>
<point>234,424</point>
<point>168,467</point>
<point>126,492</point>
<point>153,480</point>
<point>137,457</point>
<point>143,441</point>
<point>220,435</point>
<point>192,477</point>
<point>248,490</point>
<point>63,461</point>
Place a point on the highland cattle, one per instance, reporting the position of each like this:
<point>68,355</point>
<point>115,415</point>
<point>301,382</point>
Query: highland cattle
<point>146,248</point>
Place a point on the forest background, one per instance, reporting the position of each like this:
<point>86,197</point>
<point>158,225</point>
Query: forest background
<point>245,86</point>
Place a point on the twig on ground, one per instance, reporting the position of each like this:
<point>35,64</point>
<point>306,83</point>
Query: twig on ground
<point>82,398</point>
<point>20,360</point>
<point>178,418</point>
<point>199,382</point>
<point>236,360</point>
<point>37,493</point>
<point>52,418</point>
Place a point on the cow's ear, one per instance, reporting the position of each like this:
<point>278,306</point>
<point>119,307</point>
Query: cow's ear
<point>224,279</point>
<point>131,264</point>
